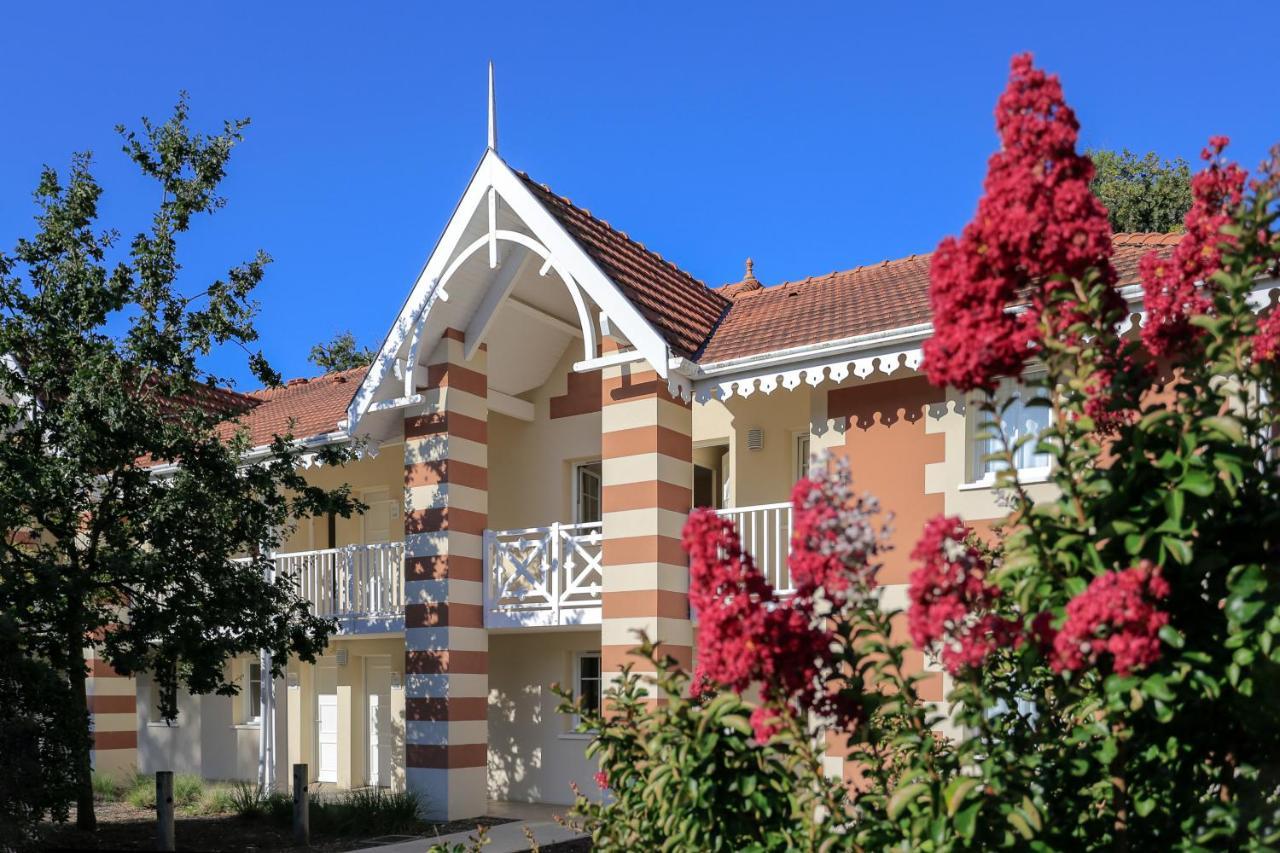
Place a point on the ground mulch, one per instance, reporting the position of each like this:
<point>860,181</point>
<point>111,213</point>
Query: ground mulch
<point>123,827</point>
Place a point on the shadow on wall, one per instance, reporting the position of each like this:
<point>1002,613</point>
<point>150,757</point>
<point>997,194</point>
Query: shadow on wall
<point>514,758</point>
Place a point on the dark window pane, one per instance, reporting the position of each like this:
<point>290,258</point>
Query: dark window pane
<point>591,695</point>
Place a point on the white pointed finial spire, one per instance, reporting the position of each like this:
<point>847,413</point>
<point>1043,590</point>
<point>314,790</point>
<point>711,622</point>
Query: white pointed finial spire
<point>493,113</point>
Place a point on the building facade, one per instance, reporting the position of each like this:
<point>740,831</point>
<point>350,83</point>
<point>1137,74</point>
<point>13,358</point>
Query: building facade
<point>546,408</point>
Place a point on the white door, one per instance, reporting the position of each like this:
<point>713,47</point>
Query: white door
<point>381,743</point>
<point>375,753</point>
<point>327,737</point>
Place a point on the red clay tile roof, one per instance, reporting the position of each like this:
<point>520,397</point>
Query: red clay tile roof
<point>868,299</point>
<point>873,298</point>
<point>683,309</point>
<point>315,405</point>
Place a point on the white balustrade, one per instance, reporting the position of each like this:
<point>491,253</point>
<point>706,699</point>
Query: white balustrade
<point>543,575</point>
<point>765,532</point>
<point>355,580</point>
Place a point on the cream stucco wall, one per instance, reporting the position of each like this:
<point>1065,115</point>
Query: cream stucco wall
<point>533,757</point>
<point>756,476</point>
<point>531,463</point>
<point>209,737</point>
<point>383,475</point>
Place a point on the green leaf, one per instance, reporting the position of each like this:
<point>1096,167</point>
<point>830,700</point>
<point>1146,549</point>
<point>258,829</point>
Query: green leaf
<point>957,790</point>
<point>966,820</point>
<point>1198,482</point>
<point>1171,636</point>
<point>1179,549</point>
<point>903,797</point>
<point>1227,426</point>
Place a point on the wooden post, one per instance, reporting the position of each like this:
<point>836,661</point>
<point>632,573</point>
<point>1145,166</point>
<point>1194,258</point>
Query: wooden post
<point>301,807</point>
<point>164,810</point>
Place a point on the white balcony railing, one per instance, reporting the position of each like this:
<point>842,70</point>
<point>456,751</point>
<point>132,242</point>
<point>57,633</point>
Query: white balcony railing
<point>543,576</point>
<point>765,531</point>
<point>355,580</point>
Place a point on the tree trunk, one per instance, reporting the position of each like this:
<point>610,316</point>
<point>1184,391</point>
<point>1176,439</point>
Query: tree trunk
<point>85,817</point>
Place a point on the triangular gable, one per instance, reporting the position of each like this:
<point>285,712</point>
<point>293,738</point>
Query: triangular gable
<point>548,238</point>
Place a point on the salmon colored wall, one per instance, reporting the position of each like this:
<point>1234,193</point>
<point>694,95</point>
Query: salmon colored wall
<point>888,449</point>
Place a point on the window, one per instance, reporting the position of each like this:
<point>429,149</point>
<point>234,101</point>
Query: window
<point>1024,415</point>
<point>802,456</point>
<point>152,694</point>
<point>586,488</point>
<point>252,693</point>
<point>587,680</point>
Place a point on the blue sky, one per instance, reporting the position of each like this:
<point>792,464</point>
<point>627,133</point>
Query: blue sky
<point>812,137</point>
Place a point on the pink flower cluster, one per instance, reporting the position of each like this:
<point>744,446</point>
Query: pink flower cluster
<point>838,543</point>
<point>1116,616</point>
<point>1266,344</point>
<point>747,634</point>
<point>1171,294</point>
<point>1038,225</point>
<point>951,599</point>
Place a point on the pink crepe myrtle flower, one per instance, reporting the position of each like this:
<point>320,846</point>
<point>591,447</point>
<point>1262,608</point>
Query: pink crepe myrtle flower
<point>1117,619</point>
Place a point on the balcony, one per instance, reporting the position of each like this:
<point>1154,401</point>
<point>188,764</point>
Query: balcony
<point>765,531</point>
<point>362,586</point>
<point>552,576</point>
<point>543,576</point>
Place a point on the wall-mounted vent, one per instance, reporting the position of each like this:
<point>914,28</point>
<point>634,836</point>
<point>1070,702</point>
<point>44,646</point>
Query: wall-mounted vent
<point>755,439</point>
<point>342,657</point>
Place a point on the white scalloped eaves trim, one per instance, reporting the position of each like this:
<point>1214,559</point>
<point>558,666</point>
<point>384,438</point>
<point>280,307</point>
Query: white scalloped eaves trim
<point>812,373</point>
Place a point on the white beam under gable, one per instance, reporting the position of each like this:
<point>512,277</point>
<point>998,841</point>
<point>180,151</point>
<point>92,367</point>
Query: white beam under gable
<point>508,271</point>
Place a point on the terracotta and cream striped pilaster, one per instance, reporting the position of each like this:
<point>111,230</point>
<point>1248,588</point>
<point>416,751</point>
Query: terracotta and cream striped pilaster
<point>113,711</point>
<point>446,645</point>
<point>647,462</point>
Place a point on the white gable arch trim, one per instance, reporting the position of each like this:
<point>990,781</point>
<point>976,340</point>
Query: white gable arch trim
<point>491,240</point>
<point>588,276</point>
<point>559,251</point>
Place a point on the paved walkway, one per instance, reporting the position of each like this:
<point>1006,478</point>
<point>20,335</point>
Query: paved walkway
<point>504,838</point>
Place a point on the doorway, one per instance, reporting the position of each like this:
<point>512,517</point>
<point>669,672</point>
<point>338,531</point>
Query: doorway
<point>326,721</point>
<point>377,678</point>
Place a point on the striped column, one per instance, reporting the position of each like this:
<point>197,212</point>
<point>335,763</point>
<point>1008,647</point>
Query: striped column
<point>446,645</point>
<point>113,712</point>
<point>647,462</point>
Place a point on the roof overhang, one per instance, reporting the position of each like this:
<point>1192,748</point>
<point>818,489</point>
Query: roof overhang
<point>886,351</point>
<point>394,377</point>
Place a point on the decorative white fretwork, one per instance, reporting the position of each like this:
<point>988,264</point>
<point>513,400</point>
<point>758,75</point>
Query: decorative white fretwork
<point>543,576</point>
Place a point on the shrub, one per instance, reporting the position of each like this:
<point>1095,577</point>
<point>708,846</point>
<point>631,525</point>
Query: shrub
<point>217,799</point>
<point>141,792</point>
<point>188,790</point>
<point>1114,654</point>
<point>107,787</point>
<point>365,811</point>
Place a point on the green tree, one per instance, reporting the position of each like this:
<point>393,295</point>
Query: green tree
<point>124,498</point>
<point>341,353</point>
<point>1141,193</point>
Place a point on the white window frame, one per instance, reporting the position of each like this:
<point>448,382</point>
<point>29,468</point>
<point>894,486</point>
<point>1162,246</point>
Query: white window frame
<point>252,711</point>
<point>578,658</point>
<point>975,477</point>
<point>802,452</point>
<point>576,487</point>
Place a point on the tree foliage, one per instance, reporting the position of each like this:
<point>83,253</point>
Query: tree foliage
<point>341,353</point>
<point>1141,193</point>
<point>1115,657</point>
<point>124,500</point>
